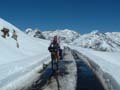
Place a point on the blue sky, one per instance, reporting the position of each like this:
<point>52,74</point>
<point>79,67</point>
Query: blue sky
<point>80,15</point>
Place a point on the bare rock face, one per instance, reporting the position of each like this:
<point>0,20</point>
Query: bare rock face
<point>35,33</point>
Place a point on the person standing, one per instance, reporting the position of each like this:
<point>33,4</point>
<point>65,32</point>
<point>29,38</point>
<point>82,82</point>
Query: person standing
<point>54,48</point>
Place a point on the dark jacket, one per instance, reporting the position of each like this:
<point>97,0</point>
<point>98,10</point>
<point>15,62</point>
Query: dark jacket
<point>54,47</point>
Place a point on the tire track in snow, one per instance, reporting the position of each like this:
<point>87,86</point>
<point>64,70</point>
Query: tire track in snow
<point>86,79</point>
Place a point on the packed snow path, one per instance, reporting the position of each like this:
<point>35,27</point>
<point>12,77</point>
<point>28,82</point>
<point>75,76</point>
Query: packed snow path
<point>65,80</point>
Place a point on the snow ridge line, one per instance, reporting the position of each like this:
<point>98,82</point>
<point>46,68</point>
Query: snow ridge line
<point>106,79</point>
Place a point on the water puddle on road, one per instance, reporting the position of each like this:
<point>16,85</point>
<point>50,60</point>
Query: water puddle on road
<point>86,79</point>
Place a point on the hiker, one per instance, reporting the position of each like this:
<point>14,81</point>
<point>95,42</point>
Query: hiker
<point>55,50</point>
<point>14,35</point>
<point>5,32</point>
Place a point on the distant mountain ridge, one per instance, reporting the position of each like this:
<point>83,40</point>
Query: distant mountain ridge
<point>66,35</point>
<point>96,40</point>
<point>99,41</point>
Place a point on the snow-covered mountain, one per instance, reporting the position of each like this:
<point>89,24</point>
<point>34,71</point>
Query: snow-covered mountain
<point>99,41</point>
<point>66,35</point>
<point>35,33</point>
<point>17,65</point>
<point>96,40</point>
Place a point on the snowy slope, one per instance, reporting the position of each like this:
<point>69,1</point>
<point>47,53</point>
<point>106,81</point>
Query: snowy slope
<point>28,45</point>
<point>15,62</point>
<point>108,61</point>
<point>99,41</point>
